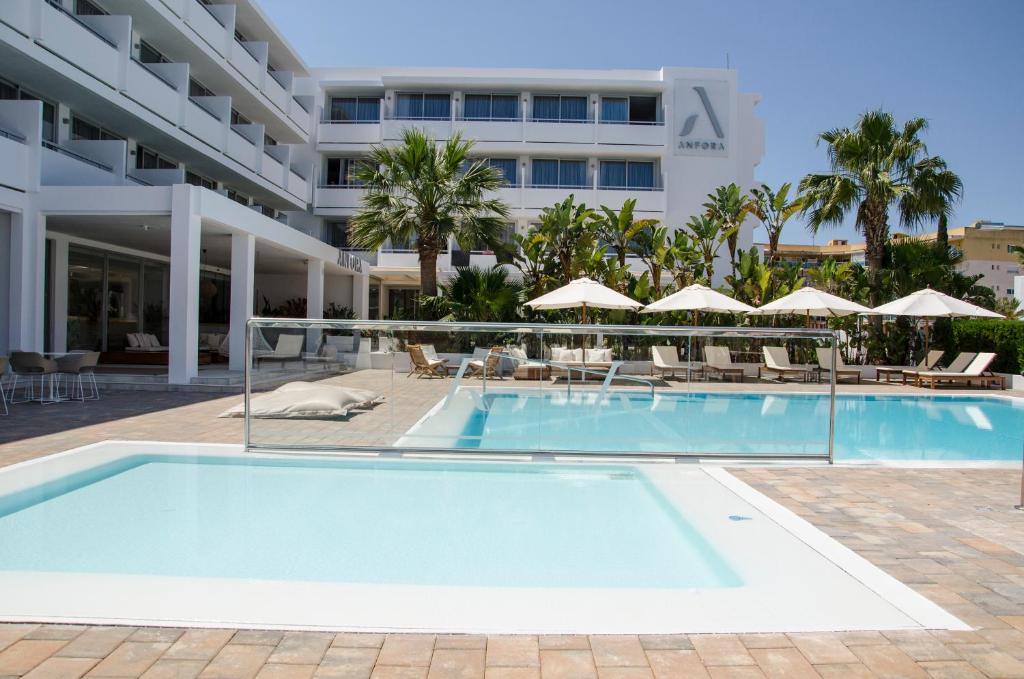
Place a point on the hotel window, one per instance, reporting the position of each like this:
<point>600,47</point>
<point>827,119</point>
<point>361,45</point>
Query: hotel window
<point>88,8</point>
<point>83,129</point>
<point>198,89</point>
<point>336,234</point>
<point>268,140</point>
<point>423,106</point>
<point>150,55</point>
<point>238,119</point>
<point>239,198</point>
<point>507,167</point>
<point>355,109</point>
<point>146,159</point>
<point>637,110</point>
<point>621,174</point>
<point>491,107</point>
<point>9,90</point>
<point>555,107</point>
<point>342,172</point>
<point>199,180</point>
<point>563,174</point>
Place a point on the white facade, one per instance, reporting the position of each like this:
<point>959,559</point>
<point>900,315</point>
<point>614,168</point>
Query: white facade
<point>171,166</point>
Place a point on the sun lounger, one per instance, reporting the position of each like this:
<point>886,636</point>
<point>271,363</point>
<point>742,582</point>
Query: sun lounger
<point>929,362</point>
<point>423,366</point>
<point>957,365</point>
<point>666,360</point>
<point>288,348</point>
<point>978,371</point>
<point>718,361</point>
<point>776,362</point>
<point>842,372</point>
<point>489,366</point>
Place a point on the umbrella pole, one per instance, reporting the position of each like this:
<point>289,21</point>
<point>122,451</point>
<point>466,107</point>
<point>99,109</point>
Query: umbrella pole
<point>927,338</point>
<point>584,314</point>
<point>808,318</point>
<point>696,316</point>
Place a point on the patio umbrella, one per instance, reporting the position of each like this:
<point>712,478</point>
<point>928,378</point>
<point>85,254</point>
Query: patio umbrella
<point>583,292</point>
<point>928,303</point>
<point>698,298</point>
<point>811,302</point>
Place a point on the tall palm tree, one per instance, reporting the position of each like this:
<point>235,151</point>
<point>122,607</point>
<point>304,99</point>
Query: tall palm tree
<point>428,192</point>
<point>876,167</point>
<point>479,295</point>
<point>655,250</point>
<point>774,209</point>
<point>619,230</point>
<point>709,234</point>
<point>730,206</point>
<point>567,229</point>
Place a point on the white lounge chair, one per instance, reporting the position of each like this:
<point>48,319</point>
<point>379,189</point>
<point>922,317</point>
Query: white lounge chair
<point>666,360</point>
<point>842,371</point>
<point>288,348</point>
<point>776,361</point>
<point>978,371</point>
<point>718,361</point>
<point>927,363</point>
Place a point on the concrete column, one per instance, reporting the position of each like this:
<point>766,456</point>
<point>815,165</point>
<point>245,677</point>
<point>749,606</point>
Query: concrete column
<point>27,250</point>
<point>243,275</point>
<point>315,288</point>
<point>361,294</point>
<point>183,332</point>
<point>59,290</point>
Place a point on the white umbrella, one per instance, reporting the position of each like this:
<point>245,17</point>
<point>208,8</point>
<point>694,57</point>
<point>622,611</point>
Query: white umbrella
<point>698,298</point>
<point>583,292</point>
<point>811,302</point>
<point>930,303</point>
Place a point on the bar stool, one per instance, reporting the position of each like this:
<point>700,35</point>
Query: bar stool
<point>29,364</point>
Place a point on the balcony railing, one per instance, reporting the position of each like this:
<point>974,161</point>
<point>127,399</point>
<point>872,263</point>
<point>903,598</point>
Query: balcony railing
<point>630,188</point>
<point>159,76</point>
<point>57,6</point>
<point>559,186</point>
<point>372,121</point>
<point>13,136</point>
<point>649,123</point>
<point>77,156</point>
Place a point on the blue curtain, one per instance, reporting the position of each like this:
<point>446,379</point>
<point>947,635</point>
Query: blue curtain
<point>641,176</point>
<point>368,109</point>
<point>505,106</point>
<point>545,172</point>
<point>343,109</point>
<point>409,106</point>
<point>574,108</point>
<point>613,174</point>
<point>507,166</point>
<point>545,108</point>
<point>572,173</point>
<point>614,110</point>
<point>477,107</point>
<point>436,106</point>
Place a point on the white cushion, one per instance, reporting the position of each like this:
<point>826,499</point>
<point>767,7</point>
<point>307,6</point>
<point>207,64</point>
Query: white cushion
<point>516,352</point>
<point>577,355</point>
<point>133,340</point>
<point>599,355</point>
<point>296,400</point>
<point>153,341</point>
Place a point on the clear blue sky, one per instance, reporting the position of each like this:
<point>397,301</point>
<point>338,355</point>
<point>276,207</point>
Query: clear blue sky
<point>817,64</point>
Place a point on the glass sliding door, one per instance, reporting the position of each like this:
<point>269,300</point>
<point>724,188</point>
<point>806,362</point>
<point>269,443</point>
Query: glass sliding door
<point>155,301</point>
<point>123,297</point>
<point>85,299</point>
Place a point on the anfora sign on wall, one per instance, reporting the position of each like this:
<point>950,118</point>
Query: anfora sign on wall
<point>701,118</point>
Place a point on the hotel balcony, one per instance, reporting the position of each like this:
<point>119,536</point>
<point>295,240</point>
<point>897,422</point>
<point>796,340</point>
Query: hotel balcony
<point>349,132</point>
<point>438,128</point>
<point>158,87</point>
<point>89,42</point>
<point>333,199</point>
<point>15,152</point>
<point>491,130</point>
<point>83,163</point>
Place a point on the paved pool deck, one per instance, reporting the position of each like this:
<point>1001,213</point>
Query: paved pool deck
<point>951,534</point>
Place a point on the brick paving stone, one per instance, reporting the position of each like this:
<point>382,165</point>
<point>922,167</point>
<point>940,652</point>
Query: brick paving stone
<point>167,634</point>
<point>457,663</point>
<point>340,662</point>
<point>845,671</point>
<point>11,633</point>
<point>752,641</point>
<point>624,673</point>
<point>556,664</point>
<point>175,669</point>
<point>674,664</point>
<point>783,663</point>
<point>656,642</point>
<point>289,671</point>
<point>358,640</point>
<point>567,642</point>
<point>130,659</point>
<point>199,644</point>
<point>512,673</point>
<point>955,669</point>
<point>726,649</point>
<point>617,651</point>
<point>259,637</point>
<point>512,651</point>
<point>735,672</point>
<point>24,655</point>
<point>463,641</point>
<point>236,661</point>
<point>398,672</point>
<point>921,646</point>
<point>65,632</point>
<point>96,642</point>
<point>301,648</point>
<point>407,649</point>
<point>991,661</point>
<point>62,668</point>
<point>889,662</point>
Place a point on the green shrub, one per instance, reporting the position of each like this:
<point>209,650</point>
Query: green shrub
<point>1006,338</point>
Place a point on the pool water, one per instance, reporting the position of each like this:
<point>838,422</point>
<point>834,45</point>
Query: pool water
<point>940,428</point>
<point>356,521</point>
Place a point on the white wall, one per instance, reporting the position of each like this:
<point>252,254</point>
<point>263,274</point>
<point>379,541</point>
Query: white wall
<point>5,281</point>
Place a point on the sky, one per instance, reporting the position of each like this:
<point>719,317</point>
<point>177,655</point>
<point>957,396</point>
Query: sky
<point>816,63</point>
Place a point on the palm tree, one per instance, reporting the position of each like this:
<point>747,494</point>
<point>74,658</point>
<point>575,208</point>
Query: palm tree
<point>478,295</point>
<point>709,234</point>
<point>876,167</point>
<point>654,249</point>
<point>567,230</point>
<point>618,229</point>
<point>530,258</point>
<point>774,209</point>
<point>729,205</point>
<point>430,193</point>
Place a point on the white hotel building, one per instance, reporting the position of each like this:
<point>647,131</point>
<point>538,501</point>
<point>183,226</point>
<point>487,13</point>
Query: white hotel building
<point>172,167</point>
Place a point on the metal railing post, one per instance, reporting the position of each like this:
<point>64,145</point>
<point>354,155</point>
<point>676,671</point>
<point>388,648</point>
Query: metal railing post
<point>832,403</point>
<point>247,383</point>
<point>1021,505</point>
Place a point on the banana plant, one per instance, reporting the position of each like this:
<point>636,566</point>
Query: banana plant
<point>619,230</point>
<point>709,235</point>
<point>729,206</point>
<point>774,209</point>
<point>654,250</point>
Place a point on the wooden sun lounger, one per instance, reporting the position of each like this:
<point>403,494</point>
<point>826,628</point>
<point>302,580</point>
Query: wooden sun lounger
<point>927,363</point>
<point>842,371</point>
<point>978,371</point>
<point>776,361</point>
<point>718,361</point>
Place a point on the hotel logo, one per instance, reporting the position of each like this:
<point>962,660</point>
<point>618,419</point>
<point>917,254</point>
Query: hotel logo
<point>701,111</point>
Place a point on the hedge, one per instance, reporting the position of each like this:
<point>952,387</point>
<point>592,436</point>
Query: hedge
<point>1006,338</point>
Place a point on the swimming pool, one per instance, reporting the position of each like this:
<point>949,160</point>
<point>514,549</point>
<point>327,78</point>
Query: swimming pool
<point>868,427</point>
<point>207,535</point>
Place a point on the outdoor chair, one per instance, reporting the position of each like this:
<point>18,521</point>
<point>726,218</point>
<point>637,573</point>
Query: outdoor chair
<point>929,362</point>
<point>841,370</point>
<point>978,371</point>
<point>79,370</point>
<point>718,361</point>
<point>29,365</point>
<point>666,360</point>
<point>776,362</point>
<point>288,348</point>
<point>423,366</point>
<point>489,366</point>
